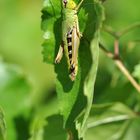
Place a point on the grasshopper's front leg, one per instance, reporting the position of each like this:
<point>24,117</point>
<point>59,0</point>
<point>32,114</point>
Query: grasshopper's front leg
<point>79,34</point>
<point>60,53</point>
<point>78,6</point>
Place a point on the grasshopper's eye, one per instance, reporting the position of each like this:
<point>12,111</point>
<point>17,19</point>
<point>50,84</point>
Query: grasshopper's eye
<point>65,3</point>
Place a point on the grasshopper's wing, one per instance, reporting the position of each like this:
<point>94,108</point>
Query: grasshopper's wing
<point>75,45</point>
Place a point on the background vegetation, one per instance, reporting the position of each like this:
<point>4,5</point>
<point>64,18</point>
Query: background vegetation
<point>29,107</point>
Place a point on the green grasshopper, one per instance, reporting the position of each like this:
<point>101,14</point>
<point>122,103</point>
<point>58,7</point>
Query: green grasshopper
<point>70,36</point>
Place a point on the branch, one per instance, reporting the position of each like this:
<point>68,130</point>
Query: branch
<point>128,29</point>
<point>119,34</point>
<point>122,68</point>
<point>111,31</point>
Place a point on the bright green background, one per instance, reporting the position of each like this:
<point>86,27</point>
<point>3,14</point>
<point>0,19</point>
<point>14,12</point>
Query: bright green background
<point>21,39</point>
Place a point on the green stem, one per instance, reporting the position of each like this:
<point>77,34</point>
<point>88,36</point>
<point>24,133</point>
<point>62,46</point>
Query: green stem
<point>109,120</point>
<point>110,30</point>
<point>128,29</point>
<point>122,68</point>
<point>122,32</point>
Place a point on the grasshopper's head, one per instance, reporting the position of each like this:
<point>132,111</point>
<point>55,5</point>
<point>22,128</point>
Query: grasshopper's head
<point>70,4</point>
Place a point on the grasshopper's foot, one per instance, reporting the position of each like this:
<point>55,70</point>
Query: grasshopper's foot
<point>79,34</point>
<point>57,60</point>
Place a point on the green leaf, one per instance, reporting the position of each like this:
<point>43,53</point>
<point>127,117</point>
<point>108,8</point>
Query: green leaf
<point>53,129</point>
<point>14,97</point>
<point>74,97</point>
<point>132,132</point>
<point>2,126</point>
<point>50,128</point>
<point>14,86</point>
<point>51,18</point>
<point>112,120</point>
<point>40,117</point>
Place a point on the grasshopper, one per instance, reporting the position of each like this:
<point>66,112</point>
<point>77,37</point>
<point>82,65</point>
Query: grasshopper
<point>70,36</point>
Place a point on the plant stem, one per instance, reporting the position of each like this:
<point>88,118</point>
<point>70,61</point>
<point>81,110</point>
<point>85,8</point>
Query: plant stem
<point>122,68</point>
<point>116,49</point>
<point>119,34</point>
<point>127,74</point>
<point>128,29</point>
<point>109,120</point>
<point>110,30</point>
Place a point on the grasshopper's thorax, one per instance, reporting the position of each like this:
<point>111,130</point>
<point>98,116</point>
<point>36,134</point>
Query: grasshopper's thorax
<point>69,10</point>
<point>69,14</point>
<point>69,19</point>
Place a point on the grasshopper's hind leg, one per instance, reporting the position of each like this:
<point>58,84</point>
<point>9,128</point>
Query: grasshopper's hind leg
<point>60,53</point>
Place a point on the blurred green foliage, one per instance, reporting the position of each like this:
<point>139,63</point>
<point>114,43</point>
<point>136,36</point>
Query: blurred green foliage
<point>27,94</point>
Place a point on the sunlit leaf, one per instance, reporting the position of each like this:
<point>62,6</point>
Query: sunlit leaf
<point>112,120</point>
<point>50,128</point>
